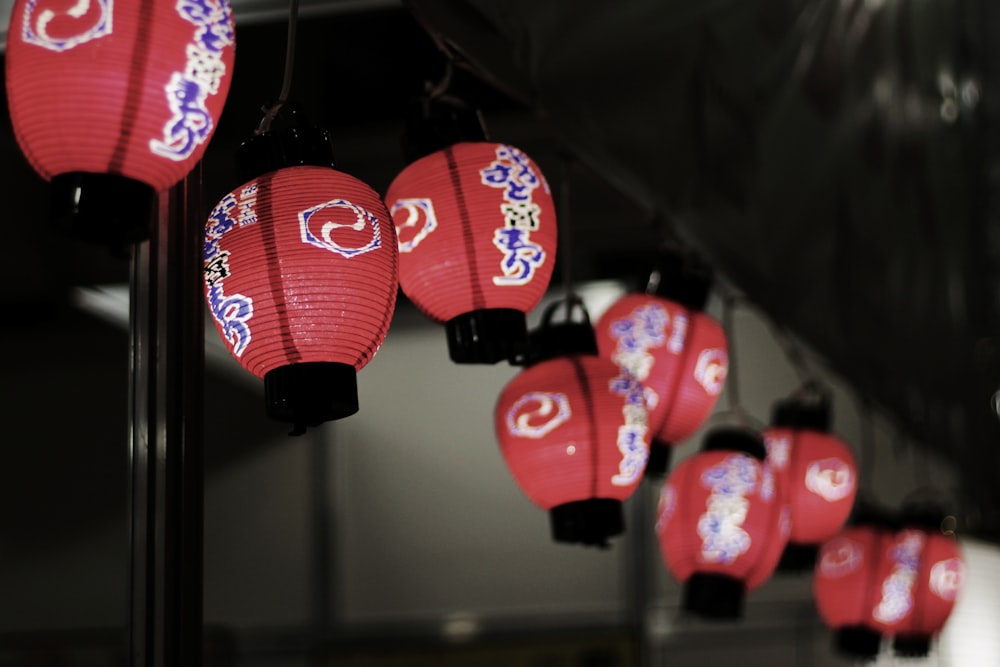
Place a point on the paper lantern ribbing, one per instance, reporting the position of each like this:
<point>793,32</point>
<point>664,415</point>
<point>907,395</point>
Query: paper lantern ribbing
<point>477,240</point>
<point>720,523</point>
<point>301,280</point>
<point>113,101</point>
<point>574,438</point>
<point>819,475</point>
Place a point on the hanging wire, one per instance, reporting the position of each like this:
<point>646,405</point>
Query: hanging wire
<point>286,85</point>
<point>867,467</point>
<point>735,409</point>
<point>564,234</point>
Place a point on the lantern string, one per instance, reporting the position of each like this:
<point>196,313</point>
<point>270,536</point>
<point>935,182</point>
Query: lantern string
<point>566,255</point>
<point>867,469</point>
<point>736,409</point>
<point>286,84</point>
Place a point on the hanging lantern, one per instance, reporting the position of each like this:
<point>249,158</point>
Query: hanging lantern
<point>114,101</point>
<point>925,579</point>
<point>664,339</point>
<point>846,579</point>
<point>301,274</point>
<point>887,579</point>
<point>477,239</point>
<point>819,475</point>
<point>720,523</point>
<point>574,437</point>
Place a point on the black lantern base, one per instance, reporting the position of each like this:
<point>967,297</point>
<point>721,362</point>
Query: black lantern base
<point>311,393</point>
<point>589,522</point>
<point>911,646</point>
<point>798,558</point>
<point>857,642</point>
<point>715,596</point>
<point>660,454</point>
<point>736,440</point>
<point>106,209</point>
<point>487,336</point>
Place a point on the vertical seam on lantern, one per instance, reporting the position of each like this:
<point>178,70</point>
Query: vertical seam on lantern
<point>676,382</point>
<point>588,398</point>
<point>265,193</point>
<point>869,609</point>
<point>133,95</point>
<point>478,298</point>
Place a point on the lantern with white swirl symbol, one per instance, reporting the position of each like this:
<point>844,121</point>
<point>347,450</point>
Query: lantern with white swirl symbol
<point>720,523</point>
<point>301,275</point>
<point>819,476</point>
<point>678,352</point>
<point>573,435</point>
<point>477,239</point>
<point>113,101</point>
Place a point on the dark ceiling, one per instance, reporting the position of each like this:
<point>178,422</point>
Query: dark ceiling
<point>831,159</point>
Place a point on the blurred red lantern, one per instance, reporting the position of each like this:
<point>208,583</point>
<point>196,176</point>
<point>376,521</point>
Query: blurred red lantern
<point>665,340</point>
<point>113,101</point>
<point>574,437</point>
<point>477,239</point>
<point>819,475</point>
<point>720,523</point>
<point>301,276</point>
<point>873,581</point>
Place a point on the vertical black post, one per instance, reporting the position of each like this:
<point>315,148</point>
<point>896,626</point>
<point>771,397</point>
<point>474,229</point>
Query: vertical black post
<point>166,333</point>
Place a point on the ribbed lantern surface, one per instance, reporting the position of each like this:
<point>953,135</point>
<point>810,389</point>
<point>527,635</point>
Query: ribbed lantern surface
<point>679,354</point>
<point>127,88</point>
<point>819,475</point>
<point>570,431</point>
<point>477,231</point>
<point>301,267</point>
<point>721,526</point>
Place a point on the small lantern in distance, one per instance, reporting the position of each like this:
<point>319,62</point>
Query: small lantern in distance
<point>573,434</point>
<point>301,273</point>
<point>679,353</point>
<point>720,524</point>
<point>818,471</point>
<point>112,102</point>
<point>477,234</point>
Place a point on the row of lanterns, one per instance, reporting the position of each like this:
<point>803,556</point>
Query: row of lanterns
<point>115,102</point>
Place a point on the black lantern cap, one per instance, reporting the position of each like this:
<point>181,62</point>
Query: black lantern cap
<point>589,522</point>
<point>487,336</point>
<point>660,454</point>
<point>798,558</point>
<point>810,410</point>
<point>911,646</point>
<point>559,339</point>
<point>737,440</point>
<point>857,641</point>
<point>681,277</point>
<point>106,209</point>
<point>291,141</point>
<point>310,393</point>
<point>434,122</point>
<point>715,596</point>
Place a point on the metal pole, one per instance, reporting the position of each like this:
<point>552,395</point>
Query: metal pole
<point>166,335</point>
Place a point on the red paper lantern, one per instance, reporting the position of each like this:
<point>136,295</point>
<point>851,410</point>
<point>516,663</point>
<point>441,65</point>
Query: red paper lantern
<point>301,281</point>
<point>113,101</point>
<point>819,475</point>
<point>477,240</point>
<point>720,523</point>
<point>846,578</point>
<point>872,581</point>
<point>574,437</point>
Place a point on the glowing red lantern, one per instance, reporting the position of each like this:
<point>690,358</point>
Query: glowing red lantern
<point>819,475</point>
<point>301,276</point>
<point>846,579</point>
<point>477,239</point>
<point>113,101</point>
<point>574,437</point>
<point>720,523</point>
<point>679,353</point>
